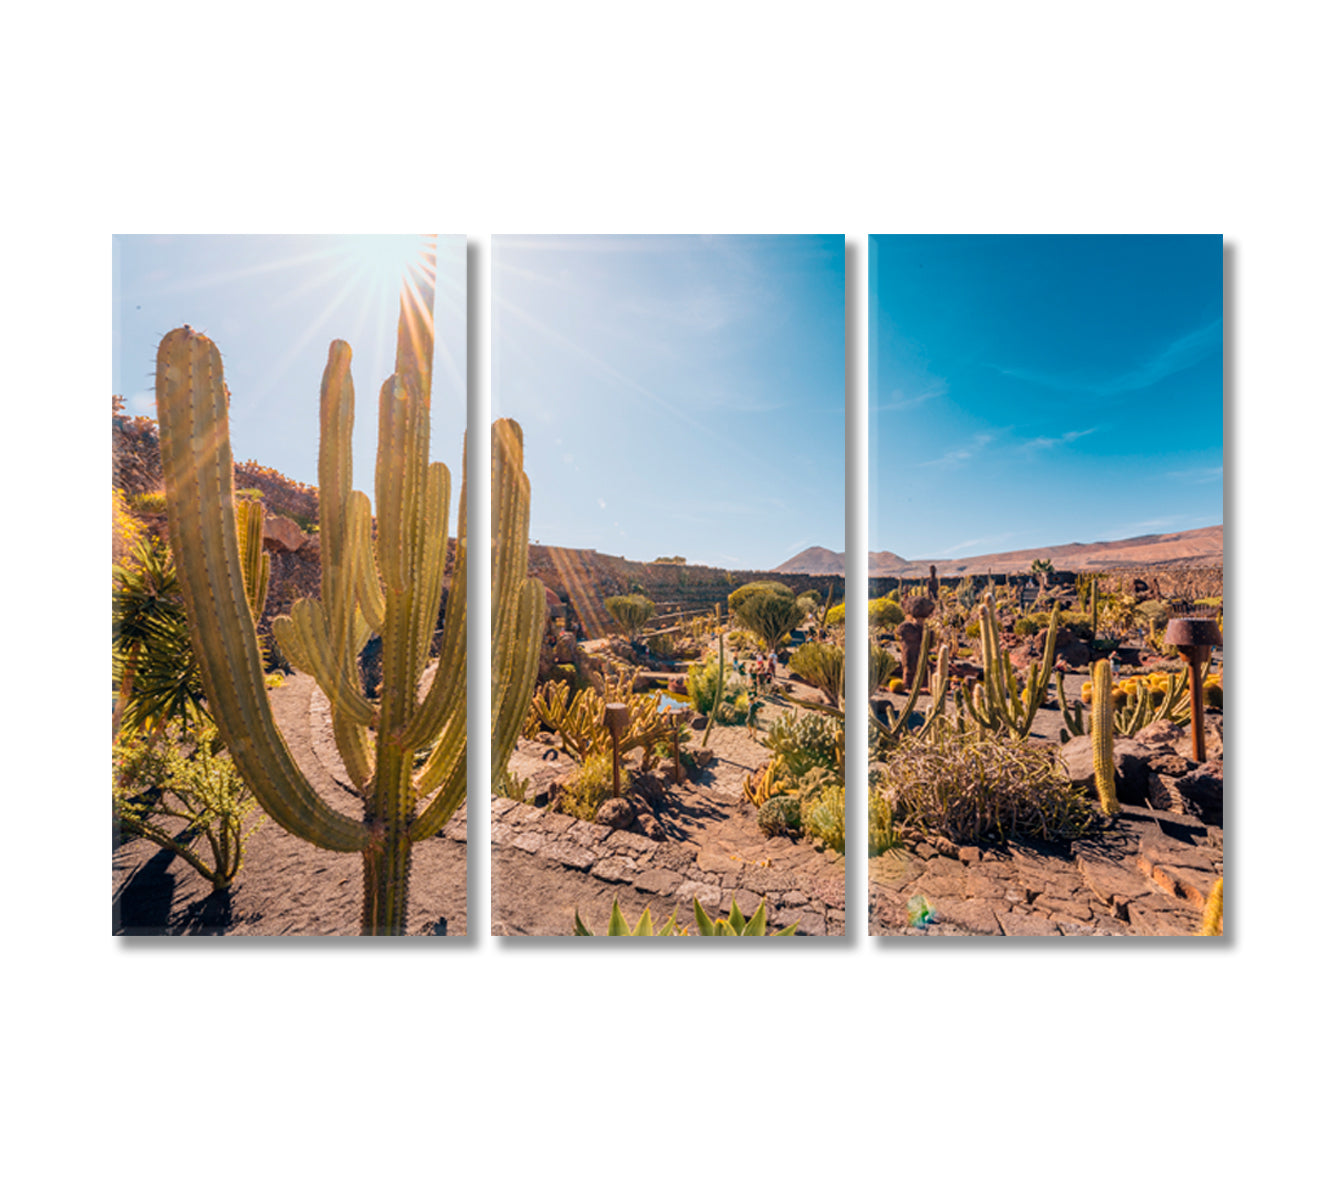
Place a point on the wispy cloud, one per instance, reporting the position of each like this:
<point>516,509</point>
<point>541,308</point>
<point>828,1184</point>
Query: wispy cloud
<point>998,539</point>
<point>1187,350</point>
<point>900,400</point>
<point>1036,444</point>
<point>954,458</point>
<point>1199,475</point>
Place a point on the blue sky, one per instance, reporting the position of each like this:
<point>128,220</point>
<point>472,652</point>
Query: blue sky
<point>679,395</point>
<point>273,304</point>
<point>1032,391</point>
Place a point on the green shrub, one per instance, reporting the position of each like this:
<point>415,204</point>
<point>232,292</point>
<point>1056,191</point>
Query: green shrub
<point>739,597</point>
<point>1026,626</point>
<point>587,787</point>
<point>820,664</point>
<point>181,791</point>
<point>882,835</point>
<point>884,613</point>
<point>836,615</point>
<point>631,613</point>
<point>514,787</point>
<point>150,502</point>
<point>822,817</point>
<point>769,615</point>
<point>702,686</point>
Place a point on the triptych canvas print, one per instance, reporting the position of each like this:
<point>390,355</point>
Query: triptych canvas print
<point>674,747</point>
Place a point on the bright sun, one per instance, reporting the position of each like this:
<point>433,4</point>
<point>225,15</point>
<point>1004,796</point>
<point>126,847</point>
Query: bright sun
<point>383,262</point>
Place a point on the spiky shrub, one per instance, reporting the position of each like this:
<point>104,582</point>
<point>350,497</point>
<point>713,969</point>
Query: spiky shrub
<point>620,927</point>
<point>390,584</point>
<point>822,816</point>
<point>803,742</point>
<point>975,785</point>
<point>184,794</point>
<point>1101,731</point>
<point>820,664</point>
<point>736,925</point>
<point>780,815</point>
<point>733,925</point>
<point>127,531</point>
<point>631,613</point>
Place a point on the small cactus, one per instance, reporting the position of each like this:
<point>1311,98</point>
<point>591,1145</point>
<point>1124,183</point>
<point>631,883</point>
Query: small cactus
<point>1212,924</point>
<point>1101,732</point>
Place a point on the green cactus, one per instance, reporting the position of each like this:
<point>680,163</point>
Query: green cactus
<point>999,702</point>
<point>888,733</point>
<point>390,584</point>
<point>1101,732</point>
<point>1073,713</point>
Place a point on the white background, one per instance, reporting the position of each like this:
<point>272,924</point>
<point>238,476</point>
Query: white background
<point>978,1067</point>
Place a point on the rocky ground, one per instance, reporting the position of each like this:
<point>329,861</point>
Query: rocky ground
<point>1149,873</point>
<point>707,845</point>
<point>287,886</point>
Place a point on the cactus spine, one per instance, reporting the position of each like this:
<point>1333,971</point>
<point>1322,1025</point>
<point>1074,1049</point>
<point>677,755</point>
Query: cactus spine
<point>390,585</point>
<point>1104,768</point>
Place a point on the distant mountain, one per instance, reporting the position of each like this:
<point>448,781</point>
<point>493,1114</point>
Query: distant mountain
<point>815,561</point>
<point>1190,548</point>
<point>819,561</point>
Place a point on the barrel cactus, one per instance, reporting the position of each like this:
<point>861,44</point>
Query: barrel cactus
<point>389,583</point>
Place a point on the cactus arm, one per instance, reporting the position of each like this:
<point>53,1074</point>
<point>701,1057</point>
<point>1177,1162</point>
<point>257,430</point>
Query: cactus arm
<point>1074,719</point>
<point>1104,767</point>
<point>304,638</point>
<point>520,672</point>
<point>370,595</point>
<point>197,468</point>
<point>518,604</point>
<point>254,562</point>
<point>434,557</point>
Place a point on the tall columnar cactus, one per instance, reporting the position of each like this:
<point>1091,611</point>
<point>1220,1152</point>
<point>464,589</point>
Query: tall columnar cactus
<point>1101,733</point>
<point>1000,703</point>
<point>389,584</point>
